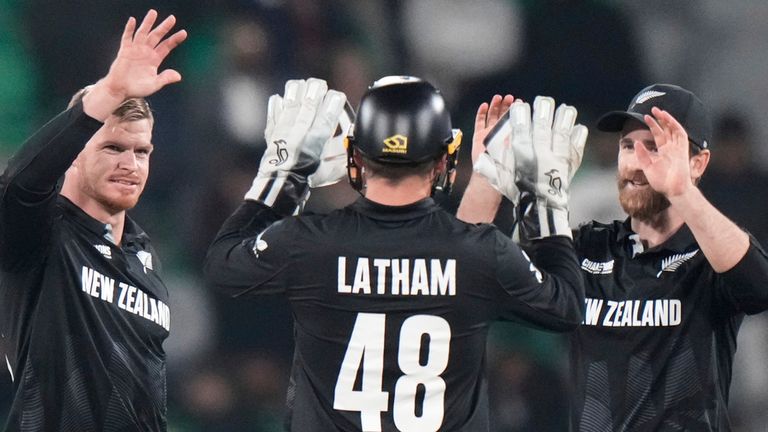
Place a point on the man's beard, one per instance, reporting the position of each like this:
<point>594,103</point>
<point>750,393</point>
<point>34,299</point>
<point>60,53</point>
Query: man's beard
<point>643,204</point>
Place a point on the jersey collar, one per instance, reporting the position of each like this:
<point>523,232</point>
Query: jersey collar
<point>132,233</point>
<point>394,213</point>
<point>679,242</point>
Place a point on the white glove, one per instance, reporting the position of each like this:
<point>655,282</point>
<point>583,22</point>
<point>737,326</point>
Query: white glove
<point>333,159</point>
<point>532,162</point>
<point>298,127</point>
<point>546,162</point>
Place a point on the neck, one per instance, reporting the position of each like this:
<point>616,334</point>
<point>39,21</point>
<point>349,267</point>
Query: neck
<point>97,211</point>
<point>657,229</point>
<point>406,191</point>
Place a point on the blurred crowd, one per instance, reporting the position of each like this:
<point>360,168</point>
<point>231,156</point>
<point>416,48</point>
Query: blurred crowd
<point>228,359</point>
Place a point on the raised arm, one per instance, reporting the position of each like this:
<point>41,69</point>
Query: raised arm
<point>669,171</point>
<point>481,201</point>
<point>249,252</point>
<point>27,187</point>
<point>543,288</point>
<point>134,71</point>
<point>741,262</point>
<point>530,156</point>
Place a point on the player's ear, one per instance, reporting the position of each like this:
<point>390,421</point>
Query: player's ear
<point>699,163</point>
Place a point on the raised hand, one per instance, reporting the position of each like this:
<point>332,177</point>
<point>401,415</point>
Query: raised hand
<point>488,114</point>
<point>301,126</point>
<point>492,152</point>
<point>667,168</point>
<point>531,157</point>
<point>135,70</point>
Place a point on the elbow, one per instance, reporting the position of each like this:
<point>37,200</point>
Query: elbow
<point>214,273</point>
<point>571,320</point>
<point>574,314</point>
<point>574,320</point>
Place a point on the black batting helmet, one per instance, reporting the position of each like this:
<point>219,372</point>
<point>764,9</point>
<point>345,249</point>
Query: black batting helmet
<point>403,120</point>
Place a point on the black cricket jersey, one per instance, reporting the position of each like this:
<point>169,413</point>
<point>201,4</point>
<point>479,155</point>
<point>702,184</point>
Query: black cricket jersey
<point>655,351</point>
<point>391,308</point>
<point>84,319</point>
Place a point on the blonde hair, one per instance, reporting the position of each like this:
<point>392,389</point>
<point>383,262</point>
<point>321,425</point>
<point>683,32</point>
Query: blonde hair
<point>131,109</point>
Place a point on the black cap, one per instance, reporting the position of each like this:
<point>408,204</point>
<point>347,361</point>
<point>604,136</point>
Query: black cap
<point>683,105</point>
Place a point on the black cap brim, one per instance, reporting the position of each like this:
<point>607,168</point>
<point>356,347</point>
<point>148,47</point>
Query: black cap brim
<point>614,121</point>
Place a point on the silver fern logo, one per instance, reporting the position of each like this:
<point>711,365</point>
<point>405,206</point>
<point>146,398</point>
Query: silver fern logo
<point>645,96</point>
<point>673,262</point>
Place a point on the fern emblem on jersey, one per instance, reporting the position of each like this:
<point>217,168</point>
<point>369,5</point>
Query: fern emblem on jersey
<point>673,262</point>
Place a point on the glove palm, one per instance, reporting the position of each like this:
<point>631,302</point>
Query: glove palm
<point>531,160</point>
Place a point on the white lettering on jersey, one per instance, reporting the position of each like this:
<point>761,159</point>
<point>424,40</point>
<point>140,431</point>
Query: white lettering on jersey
<point>362,277</point>
<point>634,313</point>
<point>597,267</point>
<point>104,250</point>
<point>97,285</point>
<point>416,276</point>
<point>592,312</point>
<point>129,298</point>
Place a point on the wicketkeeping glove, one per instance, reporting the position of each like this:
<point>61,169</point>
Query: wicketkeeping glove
<point>301,133</point>
<point>541,153</point>
<point>547,163</point>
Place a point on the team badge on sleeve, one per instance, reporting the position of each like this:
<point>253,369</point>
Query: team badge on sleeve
<point>259,245</point>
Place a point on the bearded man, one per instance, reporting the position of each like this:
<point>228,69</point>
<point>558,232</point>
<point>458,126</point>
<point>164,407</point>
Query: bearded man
<point>666,289</point>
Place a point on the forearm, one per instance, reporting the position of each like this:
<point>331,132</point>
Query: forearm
<point>745,283</point>
<point>102,99</point>
<point>556,256</point>
<point>548,294</point>
<point>722,241</point>
<point>230,263</point>
<point>47,155</point>
<point>480,201</point>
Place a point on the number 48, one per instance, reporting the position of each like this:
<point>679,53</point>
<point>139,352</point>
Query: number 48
<point>366,347</point>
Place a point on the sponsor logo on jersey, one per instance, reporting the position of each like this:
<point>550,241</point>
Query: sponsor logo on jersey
<point>104,250</point>
<point>127,297</point>
<point>596,267</point>
<point>146,260</point>
<point>673,262</point>
<point>646,96</point>
<point>397,276</point>
<point>633,313</point>
<point>396,144</point>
